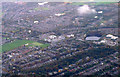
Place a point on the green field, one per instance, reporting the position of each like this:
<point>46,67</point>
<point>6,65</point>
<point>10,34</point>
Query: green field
<point>18,43</point>
<point>38,44</point>
<point>78,3</point>
<point>97,3</point>
<point>41,8</point>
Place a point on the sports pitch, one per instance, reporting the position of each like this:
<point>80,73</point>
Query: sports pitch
<point>18,43</point>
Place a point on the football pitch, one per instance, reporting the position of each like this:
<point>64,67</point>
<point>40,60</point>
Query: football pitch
<point>17,43</point>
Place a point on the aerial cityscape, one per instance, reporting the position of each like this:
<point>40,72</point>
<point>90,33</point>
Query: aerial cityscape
<point>60,39</point>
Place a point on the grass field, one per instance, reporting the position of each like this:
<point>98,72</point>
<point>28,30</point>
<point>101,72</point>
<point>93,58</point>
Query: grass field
<point>18,43</point>
<point>38,44</point>
<point>97,3</point>
<point>41,8</point>
<point>0,48</point>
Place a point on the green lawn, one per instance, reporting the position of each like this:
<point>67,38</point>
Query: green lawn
<point>78,3</point>
<point>18,43</point>
<point>41,8</point>
<point>102,3</point>
<point>0,48</point>
<point>38,44</point>
<point>97,3</point>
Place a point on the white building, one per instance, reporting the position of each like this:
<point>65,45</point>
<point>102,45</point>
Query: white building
<point>111,36</point>
<point>100,11</point>
<point>36,22</point>
<point>52,36</point>
<point>96,17</point>
<point>71,35</point>
<point>59,14</point>
<point>42,3</point>
<point>103,41</point>
<point>92,38</point>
